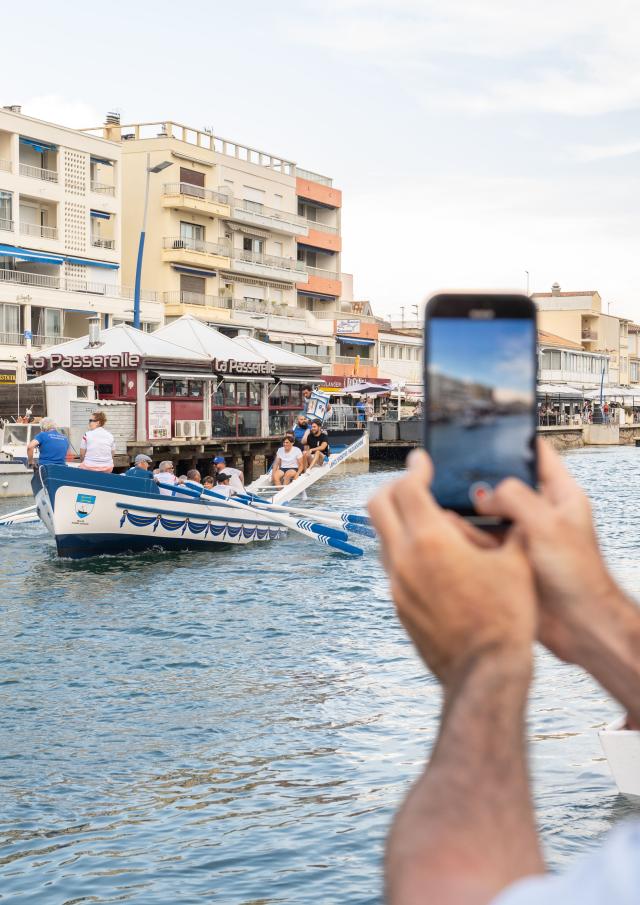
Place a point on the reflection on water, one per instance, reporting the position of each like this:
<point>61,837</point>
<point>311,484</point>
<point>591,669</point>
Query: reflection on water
<point>484,448</point>
<point>240,727</point>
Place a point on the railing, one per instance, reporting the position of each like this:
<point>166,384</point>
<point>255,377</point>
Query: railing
<point>321,227</point>
<point>146,295</point>
<point>248,210</point>
<point>97,242</point>
<point>182,297</point>
<point>325,274</point>
<point>318,356</point>
<point>40,339</point>
<point>255,257</point>
<point>350,359</point>
<point>35,229</point>
<point>6,224</point>
<point>38,173</point>
<point>194,191</point>
<point>12,339</point>
<point>43,280</point>
<point>102,188</point>
<point>263,306</point>
<point>209,248</point>
<point>70,284</point>
<point>6,166</point>
<point>313,177</point>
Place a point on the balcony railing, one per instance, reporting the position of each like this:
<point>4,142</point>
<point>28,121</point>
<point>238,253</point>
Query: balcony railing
<point>70,284</point>
<point>318,356</point>
<point>35,229</point>
<point>182,297</point>
<point>319,272</point>
<point>5,165</point>
<point>321,227</point>
<point>6,224</point>
<point>313,177</point>
<point>263,306</point>
<point>102,188</point>
<point>350,359</point>
<point>194,191</point>
<point>255,257</point>
<point>208,248</point>
<point>12,339</point>
<point>253,210</point>
<point>97,242</point>
<point>38,173</point>
<point>18,339</point>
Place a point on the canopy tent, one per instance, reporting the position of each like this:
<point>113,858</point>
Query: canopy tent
<point>560,389</point>
<point>368,389</point>
<point>625,393</point>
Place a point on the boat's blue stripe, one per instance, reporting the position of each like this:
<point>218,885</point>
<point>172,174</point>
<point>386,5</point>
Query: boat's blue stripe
<point>197,515</point>
<point>76,546</point>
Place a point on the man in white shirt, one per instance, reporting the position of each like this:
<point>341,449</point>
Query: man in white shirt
<point>287,465</point>
<point>236,478</point>
<point>166,475</point>
<point>473,606</point>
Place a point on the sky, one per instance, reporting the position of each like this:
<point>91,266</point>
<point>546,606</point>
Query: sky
<point>474,140</point>
<point>496,353</point>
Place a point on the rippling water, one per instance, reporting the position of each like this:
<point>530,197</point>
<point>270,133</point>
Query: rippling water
<point>240,727</point>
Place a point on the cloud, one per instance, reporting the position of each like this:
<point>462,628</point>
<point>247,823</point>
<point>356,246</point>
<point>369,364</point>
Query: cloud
<point>588,153</point>
<point>62,110</point>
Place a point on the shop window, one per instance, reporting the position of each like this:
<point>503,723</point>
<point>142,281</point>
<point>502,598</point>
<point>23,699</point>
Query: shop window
<point>218,396</point>
<point>105,389</point>
<point>254,393</point>
<point>224,424</point>
<point>241,394</point>
<point>196,388</point>
<point>229,390</point>
<point>248,424</point>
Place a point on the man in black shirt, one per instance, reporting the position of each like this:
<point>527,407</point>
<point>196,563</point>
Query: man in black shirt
<point>317,446</point>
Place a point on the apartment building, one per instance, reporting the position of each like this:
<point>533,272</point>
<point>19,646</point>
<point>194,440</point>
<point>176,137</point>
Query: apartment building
<point>60,247</point>
<point>563,361</point>
<point>578,316</point>
<point>240,238</point>
<point>400,357</point>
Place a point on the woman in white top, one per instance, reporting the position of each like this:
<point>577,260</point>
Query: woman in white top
<point>97,446</point>
<point>288,463</point>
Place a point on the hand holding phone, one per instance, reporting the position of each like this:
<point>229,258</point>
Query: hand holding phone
<point>480,395</point>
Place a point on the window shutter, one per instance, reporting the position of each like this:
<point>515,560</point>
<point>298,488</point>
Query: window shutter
<point>192,177</point>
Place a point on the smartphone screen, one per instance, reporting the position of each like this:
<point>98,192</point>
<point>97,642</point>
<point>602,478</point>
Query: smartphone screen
<point>480,396</point>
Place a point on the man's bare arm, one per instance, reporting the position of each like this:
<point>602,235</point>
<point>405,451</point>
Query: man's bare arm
<point>466,829</point>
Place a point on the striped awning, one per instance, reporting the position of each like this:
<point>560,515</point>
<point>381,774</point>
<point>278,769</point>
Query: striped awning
<point>27,254</point>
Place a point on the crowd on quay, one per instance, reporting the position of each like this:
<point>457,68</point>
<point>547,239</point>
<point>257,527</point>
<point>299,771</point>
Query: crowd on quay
<point>551,414</point>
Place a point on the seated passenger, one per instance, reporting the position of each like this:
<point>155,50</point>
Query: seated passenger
<point>194,479</point>
<point>317,446</point>
<point>140,467</point>
<point>236,477</point>
<point>223,485</point>
<point>300,430</point>
<point>209,482</point>
<point>166,475</point>
<point>288,463</point>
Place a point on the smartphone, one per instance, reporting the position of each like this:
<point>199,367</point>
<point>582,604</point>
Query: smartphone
<point>480,394</point>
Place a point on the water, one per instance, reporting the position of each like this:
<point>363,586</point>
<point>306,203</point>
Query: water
<point>240,727</point>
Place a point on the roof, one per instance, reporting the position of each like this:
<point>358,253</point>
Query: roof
<point>278,356</point>
<point>124,338</point>
<point>60,377</point>
<point>548,295</point>
<point>191,333</point>
<point>551,339</point>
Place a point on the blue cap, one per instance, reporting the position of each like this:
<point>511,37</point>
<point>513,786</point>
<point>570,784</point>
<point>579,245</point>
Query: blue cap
<point>218,460</point>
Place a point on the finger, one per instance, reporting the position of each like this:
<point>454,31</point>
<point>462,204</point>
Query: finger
<point>482,539</point>
<point>514,500</point>
<point>556,482</point>
<point>384,518</point>
<point>415,506</point>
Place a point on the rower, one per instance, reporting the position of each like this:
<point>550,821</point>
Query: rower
<point>53,445</point>
<point>140,467</point>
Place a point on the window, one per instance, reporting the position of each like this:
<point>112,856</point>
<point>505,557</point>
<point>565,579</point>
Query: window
<point>6,210</point>
<point>551,359</point>
<point>229,392</point>
<point>275,295</point>
<point>192,289</point>
<point>191,181</point>
<point>277,202</point>
<point>196,388</point>
<point>276,249</point>
<point>123,383</point>
<point>254,245</point>
<point>253,199</point>
<point>254,393</point>
<point>224,424</point>
<point>392,351</point>
<point>248,424</point>
<point>82,392</point>
<point>10,319</point>
<point>105,389</point>
<point>191,232</point>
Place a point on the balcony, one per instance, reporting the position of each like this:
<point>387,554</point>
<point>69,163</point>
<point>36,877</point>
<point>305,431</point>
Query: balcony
<point>588,334</point>
<point>322,241</point>
<point>38,173</point>
<point>313,177</point>
<point>6,224</point>
<point>263,306</point>
<point>18,339</point>
<point>322,282</point>
<point>69,284</point>
<point>319,192</point>
<point>35,229</point>
<point>186,197</point>
<point>195,251</point>
<point>255,214</point>
<point>101,188</point>
<point>273,267</point>
<point>98,242</point>
<point>321,227</point>
<point>182,297</point>
<point>5,166</point>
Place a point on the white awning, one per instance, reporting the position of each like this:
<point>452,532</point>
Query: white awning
<point>257,379</point>
<point>184,375</point>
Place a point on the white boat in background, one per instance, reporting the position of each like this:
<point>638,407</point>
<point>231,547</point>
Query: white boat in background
<point>15,477</point>
<point>622,749</point>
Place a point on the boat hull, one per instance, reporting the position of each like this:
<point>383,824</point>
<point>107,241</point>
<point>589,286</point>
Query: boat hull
<point>15,479</point>
<point>94,514</point>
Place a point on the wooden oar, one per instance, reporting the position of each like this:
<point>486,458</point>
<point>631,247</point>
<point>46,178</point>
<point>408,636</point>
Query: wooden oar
<point>324,534</point>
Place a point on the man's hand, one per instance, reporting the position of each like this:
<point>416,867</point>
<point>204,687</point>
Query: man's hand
<point>459,601</point>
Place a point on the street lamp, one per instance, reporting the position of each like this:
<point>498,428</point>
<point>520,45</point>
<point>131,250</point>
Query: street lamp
<point>136,292</point>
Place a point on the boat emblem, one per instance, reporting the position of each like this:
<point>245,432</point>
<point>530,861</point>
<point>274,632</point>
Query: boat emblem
<point>84,504</point>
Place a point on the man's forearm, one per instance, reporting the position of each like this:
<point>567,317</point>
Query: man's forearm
<point>609,649</point>
<point>466,829</point>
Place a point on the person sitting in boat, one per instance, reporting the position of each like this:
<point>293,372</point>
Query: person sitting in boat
<point>317,446</point>
<point>236,477</point>
<point>300,431</point>
<point>223,484</point>
<point>166,475</point>
<point>140,467</point>
<point>194,479</point>
<point>97,445</point>
<point>209,483</point>
<point>288,463</point>
<point>51,444</point>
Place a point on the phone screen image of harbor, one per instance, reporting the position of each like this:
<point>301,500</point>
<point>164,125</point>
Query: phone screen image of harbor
<point>480,404</point>
<point>240,726</point>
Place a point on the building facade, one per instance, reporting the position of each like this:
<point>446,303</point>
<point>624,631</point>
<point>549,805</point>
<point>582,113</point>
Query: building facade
<point>60,236</point>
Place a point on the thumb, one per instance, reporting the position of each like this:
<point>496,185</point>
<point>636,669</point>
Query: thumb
<point>515,501</point>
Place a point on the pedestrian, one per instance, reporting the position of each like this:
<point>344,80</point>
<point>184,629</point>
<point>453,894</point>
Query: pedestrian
<point>236,477</point>
<point>166,476</point>
<point>605,413</point>
<point>368,409</point>
<point>141,467</point>
<point>97,445</point>
<point>52,445</point>
<point>287,465</point>
<point>473,606</point>
<point>360,412</point>
<point>317,446</point>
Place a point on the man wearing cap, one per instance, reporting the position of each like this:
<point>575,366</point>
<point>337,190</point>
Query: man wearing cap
<point>236,478</point>
<point>140,467</point>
